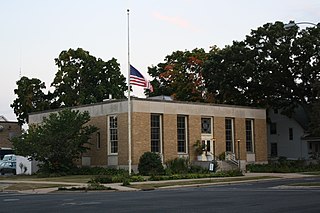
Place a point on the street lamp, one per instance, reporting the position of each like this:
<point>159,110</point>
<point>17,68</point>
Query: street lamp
<point>239,153</point>
<point>293,24</point>
<point>214,148</point>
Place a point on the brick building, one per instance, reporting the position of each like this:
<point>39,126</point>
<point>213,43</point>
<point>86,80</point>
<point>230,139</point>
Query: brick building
<point>8,130</point>
<point>171,128</point>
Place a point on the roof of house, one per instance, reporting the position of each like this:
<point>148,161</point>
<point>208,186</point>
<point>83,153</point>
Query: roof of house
<point>2,118</point>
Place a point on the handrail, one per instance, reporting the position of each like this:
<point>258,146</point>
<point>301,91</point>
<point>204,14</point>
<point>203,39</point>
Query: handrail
<point>231,157</point>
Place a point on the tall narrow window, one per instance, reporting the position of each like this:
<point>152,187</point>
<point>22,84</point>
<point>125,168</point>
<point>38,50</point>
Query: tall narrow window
<point>249,135</point>
<point>182,133</point>
<point>229,134</point>
<point>98,140</point>
<point>290,134</point>
<point>274,150</point>
<point>155,133</point>
<point>113,134</point>
<point>273,128</point>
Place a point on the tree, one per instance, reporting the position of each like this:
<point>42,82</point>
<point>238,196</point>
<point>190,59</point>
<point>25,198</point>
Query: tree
<point>58,141</point>
<point>272,67</point>
<point>30,98</point>
<point>315,118</point>
<point>83,79</point>
<point>180,76</point>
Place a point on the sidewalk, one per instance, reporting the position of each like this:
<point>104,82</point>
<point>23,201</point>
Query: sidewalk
<point>119,187</point>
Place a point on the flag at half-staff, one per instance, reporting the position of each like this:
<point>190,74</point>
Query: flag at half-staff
<point>136,78</point>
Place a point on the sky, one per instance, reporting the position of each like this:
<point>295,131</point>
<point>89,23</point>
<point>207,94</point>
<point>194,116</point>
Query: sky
<point>34,32</point>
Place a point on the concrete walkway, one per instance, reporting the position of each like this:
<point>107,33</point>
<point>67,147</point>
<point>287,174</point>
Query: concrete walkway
<point>119,187</point>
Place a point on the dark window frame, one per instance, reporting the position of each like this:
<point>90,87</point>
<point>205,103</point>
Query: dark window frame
<point>182,131</point>
<point>155,129</point>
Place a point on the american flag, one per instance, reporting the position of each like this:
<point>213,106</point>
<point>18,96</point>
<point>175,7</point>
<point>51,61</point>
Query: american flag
<point>136,78</point>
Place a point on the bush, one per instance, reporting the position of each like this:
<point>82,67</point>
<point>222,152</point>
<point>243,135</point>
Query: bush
<point>284,166</point>
<point>178,166</point>
<point>198,169</point>
<point>150,164</point>
<point>101,179</point>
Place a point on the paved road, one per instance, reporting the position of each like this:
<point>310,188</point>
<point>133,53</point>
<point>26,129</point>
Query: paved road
<point>264,196</point>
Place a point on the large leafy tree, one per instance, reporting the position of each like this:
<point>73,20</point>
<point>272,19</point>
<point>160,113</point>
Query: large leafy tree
<point>56,142</point>
<point>83,79</point>
<point>180,76</point>
<point>272,67</point>
<point>80,79</point>
<point>30,98</point>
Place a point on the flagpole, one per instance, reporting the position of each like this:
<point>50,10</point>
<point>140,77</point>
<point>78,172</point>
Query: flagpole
<point>129,104</point>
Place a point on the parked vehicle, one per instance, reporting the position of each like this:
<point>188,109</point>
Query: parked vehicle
<point>10,157</point>
<point>7,167</point>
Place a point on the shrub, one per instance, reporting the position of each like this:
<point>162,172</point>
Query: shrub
<point>198,169</point>
<point>178,166</point>
<point>283,166</point>
<point>222,156</point>
<point>150,164</point>
<point>101,179</point>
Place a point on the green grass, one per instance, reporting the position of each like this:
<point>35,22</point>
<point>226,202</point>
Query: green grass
<point>30,186</point>
<point>148,186</point>
<point>67,179</point>
<point>317,184</point>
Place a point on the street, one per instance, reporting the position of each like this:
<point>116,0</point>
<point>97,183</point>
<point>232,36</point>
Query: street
<point>262,196</point>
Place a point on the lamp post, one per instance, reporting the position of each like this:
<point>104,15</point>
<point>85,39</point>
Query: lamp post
<point>214,148</point>
<point>293,24</point>
<point>239,153</point>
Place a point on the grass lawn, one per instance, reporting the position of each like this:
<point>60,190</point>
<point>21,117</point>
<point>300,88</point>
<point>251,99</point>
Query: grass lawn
<point>30,186</point>
<point>67,179</point>
<point>316,184</point>
<point>151,185</point>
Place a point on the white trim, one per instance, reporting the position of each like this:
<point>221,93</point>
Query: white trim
<point>109,135</point>
<point>186,119</point>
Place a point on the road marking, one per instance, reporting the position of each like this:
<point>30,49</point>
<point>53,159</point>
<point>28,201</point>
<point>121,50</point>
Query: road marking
<point>10,200</point>
<point>80,203</point>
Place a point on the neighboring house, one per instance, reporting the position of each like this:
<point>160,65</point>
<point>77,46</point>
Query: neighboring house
<point>8,130</point>
<point>171,128</point>
<point>288,137</point>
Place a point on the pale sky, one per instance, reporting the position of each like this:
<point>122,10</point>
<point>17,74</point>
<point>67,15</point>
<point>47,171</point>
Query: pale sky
<point>34,32</point>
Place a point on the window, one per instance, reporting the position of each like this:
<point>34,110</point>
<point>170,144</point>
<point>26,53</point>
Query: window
<point>273,128</point>
<point>182,133</point>
<point>229,134</point>
<point>274,150</point>
<point>98,140</point>
<point>249,135</point>
<point>206,125</point>
<point>290,134</point>
<point>113,134</point>
<point>156,133</point>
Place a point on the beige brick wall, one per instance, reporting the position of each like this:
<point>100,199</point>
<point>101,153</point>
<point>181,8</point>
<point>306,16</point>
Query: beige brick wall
<point>260,140</point>
<point>240,134</point>
<point>219,135</point>
<point>170,146</point>
<point>98,155</point>
<point>140,135</point>
<point>194,134</point>
<point>123,139</point>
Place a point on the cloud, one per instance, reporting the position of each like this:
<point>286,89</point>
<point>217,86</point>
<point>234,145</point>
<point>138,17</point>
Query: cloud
<point>177,21</point>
